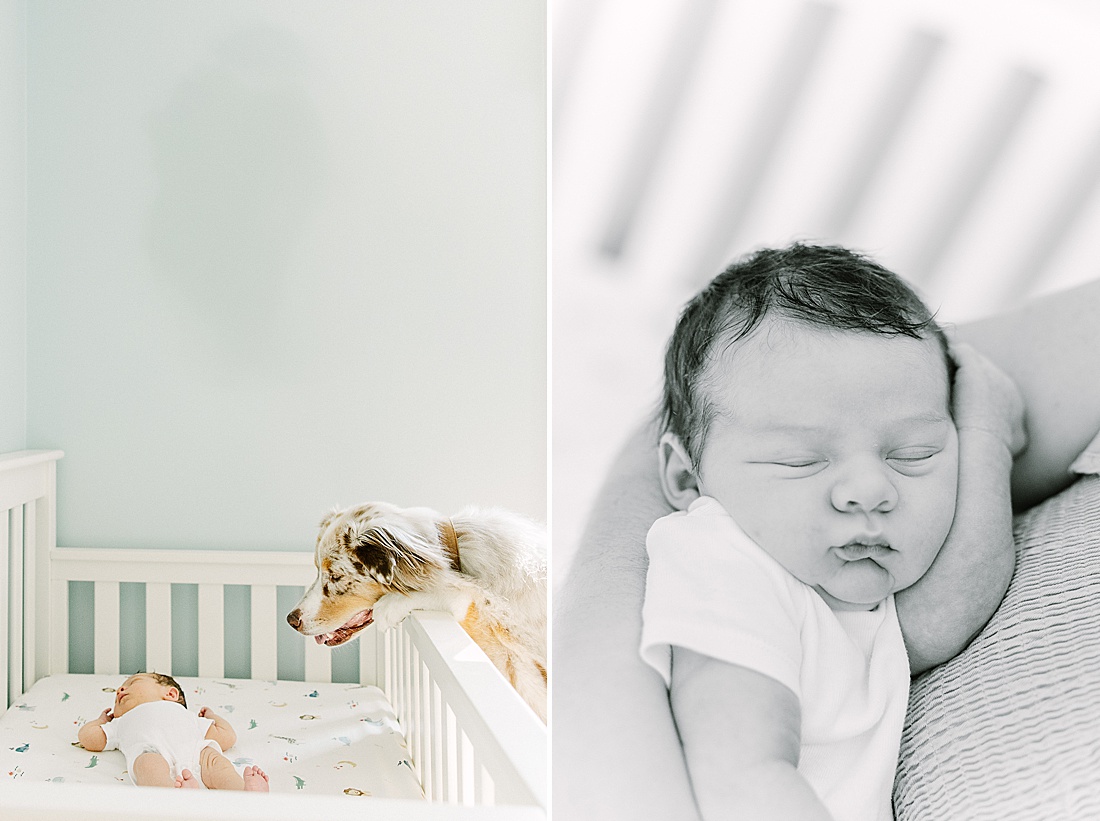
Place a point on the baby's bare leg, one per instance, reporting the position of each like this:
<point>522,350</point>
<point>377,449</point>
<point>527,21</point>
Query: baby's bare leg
<point>218,772</point>
<point>151,770</point>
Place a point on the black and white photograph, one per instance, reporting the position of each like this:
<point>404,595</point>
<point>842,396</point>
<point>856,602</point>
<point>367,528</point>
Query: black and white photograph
<point>826,391</point>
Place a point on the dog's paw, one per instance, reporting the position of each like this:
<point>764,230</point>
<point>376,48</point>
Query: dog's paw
<point>390,611</point>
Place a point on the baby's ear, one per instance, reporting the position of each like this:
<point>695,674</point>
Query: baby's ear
<point>172,694</point>
<point>678,480</point>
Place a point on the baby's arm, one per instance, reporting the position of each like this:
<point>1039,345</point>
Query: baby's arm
<point>741,735</point>
<point>220,731</point>
<point>952,602</point>
<point>91,735</point>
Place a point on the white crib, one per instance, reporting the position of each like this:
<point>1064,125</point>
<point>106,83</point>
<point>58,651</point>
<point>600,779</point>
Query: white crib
<point>477,749</point>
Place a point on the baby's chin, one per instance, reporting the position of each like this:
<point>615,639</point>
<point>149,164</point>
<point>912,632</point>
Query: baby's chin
<point>862,588</point>
<point>121,710</point>
<point>854,603</point>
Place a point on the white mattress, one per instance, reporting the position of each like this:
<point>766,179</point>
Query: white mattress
<point>308,738</point>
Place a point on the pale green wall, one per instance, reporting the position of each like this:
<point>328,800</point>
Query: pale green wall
<point>278,256</point>
<point>13,227</point>
<point>284,256</point>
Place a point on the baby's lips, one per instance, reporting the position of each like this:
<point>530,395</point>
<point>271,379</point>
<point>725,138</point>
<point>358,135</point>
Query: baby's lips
<point>854,551</point>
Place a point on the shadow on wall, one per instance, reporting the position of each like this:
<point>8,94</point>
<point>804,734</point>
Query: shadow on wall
<point>239,159</point>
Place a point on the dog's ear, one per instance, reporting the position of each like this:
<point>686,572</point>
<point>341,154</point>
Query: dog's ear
<point>394,558</point>
<point>376,550</point>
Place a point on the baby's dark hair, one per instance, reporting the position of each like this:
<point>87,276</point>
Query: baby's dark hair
<point>168,681</point>
<point>822,285</point>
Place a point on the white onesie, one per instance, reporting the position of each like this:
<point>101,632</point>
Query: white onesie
<point>164,727</point>
<point>713,590</point>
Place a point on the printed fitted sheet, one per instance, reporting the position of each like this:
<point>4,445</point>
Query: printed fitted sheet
<point>311,738</point>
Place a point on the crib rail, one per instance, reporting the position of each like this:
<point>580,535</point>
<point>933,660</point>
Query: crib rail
<point>472,742</point>
<point>212,571</point>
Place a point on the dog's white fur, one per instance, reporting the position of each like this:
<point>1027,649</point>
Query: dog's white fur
<point>377,562</point>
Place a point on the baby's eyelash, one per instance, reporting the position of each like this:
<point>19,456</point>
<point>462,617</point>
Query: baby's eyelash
<point>919,456</point>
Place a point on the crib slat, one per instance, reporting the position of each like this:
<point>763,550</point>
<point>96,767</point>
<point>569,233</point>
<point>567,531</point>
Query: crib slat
<point>59,626</point>
<point>806,42</point>
<point>4,595</point>
<point>423,711</point>
<point>478,770</point>
<point>368,656</point>
<point>413,733</point>
<point>479,773</point>
<point>45,541</point>
<point>30,577</point>
<point>450,755</point>
<point>466,764</point>
<point>438,742</point>
<point>401,642</point>
<point>15,626</point>
<point>488,789</point>
<point>388,663</point>
<point>318,661</point>
<point>428,740</point>
<point>651,137</point>
<point>211,630</point>
<point>264,638</point>
<point>158,627</point>
<point>106,628</point>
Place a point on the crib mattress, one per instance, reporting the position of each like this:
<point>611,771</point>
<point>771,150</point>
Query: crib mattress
<point>309,738</point>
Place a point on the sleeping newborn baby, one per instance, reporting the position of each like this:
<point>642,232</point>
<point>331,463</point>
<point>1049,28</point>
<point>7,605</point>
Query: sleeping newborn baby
<point>165,744</point>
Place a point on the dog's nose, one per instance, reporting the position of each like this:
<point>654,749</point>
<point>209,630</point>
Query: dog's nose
<point>294,619</point>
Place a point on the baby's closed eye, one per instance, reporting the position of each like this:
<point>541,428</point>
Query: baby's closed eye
<point>913,459</point>
<point>794,466</point>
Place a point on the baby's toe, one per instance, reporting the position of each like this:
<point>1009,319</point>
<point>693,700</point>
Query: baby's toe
<point>187,779</point>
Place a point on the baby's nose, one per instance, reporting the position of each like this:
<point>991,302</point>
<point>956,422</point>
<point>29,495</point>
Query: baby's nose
<point>864,490</point>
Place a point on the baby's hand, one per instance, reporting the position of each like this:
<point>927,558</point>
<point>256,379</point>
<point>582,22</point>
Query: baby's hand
<point>985,398</point>
<point>105,716</point>
<point>206,712</point>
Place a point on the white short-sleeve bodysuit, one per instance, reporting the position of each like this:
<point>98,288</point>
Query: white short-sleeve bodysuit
<point>164,727</point>
<point>714,591</point>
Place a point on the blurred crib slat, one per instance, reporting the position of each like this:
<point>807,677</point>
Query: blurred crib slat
<point>265,618</point>
<point>211,630</point>
<point>15,603</point>
<point>106,627</point>
<point>158,627</point>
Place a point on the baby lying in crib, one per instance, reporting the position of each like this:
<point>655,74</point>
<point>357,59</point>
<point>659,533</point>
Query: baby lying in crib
<point>165,744</point>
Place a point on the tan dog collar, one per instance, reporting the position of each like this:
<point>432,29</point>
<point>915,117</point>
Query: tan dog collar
<point>449,539</point>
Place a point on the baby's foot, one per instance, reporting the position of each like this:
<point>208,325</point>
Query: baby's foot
<point>255,779</point>
<point>187,779</point>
